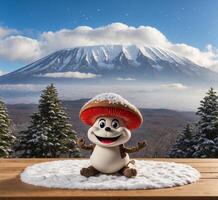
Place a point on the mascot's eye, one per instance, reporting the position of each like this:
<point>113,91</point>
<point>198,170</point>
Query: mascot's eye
<point>115,123</point>
<point>101,123</point>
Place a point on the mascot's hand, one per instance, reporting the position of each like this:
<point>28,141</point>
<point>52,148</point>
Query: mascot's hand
<point>81,142</point>
<point>142,144</point>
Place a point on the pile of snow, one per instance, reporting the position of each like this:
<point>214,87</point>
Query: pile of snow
<point>151,175</point>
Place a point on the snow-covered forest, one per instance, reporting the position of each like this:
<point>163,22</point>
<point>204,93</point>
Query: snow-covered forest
<point>200,139</point>
<point>50,133</point>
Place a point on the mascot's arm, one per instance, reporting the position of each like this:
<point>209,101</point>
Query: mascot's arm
<point>139,146</point>
<point>81,143</point>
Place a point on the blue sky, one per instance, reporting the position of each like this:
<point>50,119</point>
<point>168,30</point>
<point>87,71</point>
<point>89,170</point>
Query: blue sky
<point>193,22</point>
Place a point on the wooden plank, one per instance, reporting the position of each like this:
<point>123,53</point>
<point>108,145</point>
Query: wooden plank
<point>209,175</point>
<point>182,160</point>
<point>12,187</point>
<point>19,166</point>
<point>24,164</point>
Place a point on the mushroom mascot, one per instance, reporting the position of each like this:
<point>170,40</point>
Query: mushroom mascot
<point>111,118</point>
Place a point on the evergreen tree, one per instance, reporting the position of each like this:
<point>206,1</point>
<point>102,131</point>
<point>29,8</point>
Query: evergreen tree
<point>207,137</point>
<point>6,137</point>
<point>204,142</point>
<point>50,134</point>
<point>183,148</point>
<point>208,113</point>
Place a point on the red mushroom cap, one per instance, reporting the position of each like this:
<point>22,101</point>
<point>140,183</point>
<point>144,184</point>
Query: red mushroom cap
<point>111,105</point>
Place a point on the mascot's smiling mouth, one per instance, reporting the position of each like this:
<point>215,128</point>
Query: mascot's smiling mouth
<point>107,140</point>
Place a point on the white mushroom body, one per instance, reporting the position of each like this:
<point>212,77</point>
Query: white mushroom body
<point>108,134</point>
<point>108,159</point>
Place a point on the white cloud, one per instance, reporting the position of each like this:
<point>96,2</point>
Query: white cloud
<point>149,95</point>
<point>1,73</point>
<point>77,75</point>
<point>125,79</point>
<point>174,86</point>
<point>116,33</point>
<point>21,87</point>
<point>207,58</point>
<point>6,31</point>
<point>18,47</point>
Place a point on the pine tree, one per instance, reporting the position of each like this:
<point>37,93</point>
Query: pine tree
<point>208,113</point>
<point>183,148</point>
<point>50,134</point>
<point>6,137</point>
<point>204,142</point>
<point>207,136</point>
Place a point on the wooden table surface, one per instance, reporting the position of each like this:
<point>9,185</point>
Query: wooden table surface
<point>12,188</point>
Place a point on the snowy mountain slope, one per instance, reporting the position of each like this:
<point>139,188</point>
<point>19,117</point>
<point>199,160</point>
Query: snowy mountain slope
<point>111,61</point>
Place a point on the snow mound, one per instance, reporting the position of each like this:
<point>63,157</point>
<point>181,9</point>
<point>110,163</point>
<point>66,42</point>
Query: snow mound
<point>151,175</point>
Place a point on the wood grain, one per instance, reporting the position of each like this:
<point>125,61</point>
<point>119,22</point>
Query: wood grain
<point>12,188</point>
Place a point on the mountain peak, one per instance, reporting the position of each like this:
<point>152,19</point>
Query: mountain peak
<point>137,62</point>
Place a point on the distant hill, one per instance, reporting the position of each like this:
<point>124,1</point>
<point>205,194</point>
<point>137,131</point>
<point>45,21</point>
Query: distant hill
<point>160,127</point>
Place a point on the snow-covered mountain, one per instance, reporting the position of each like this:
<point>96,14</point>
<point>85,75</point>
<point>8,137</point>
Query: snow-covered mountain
<point>112,62</point>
